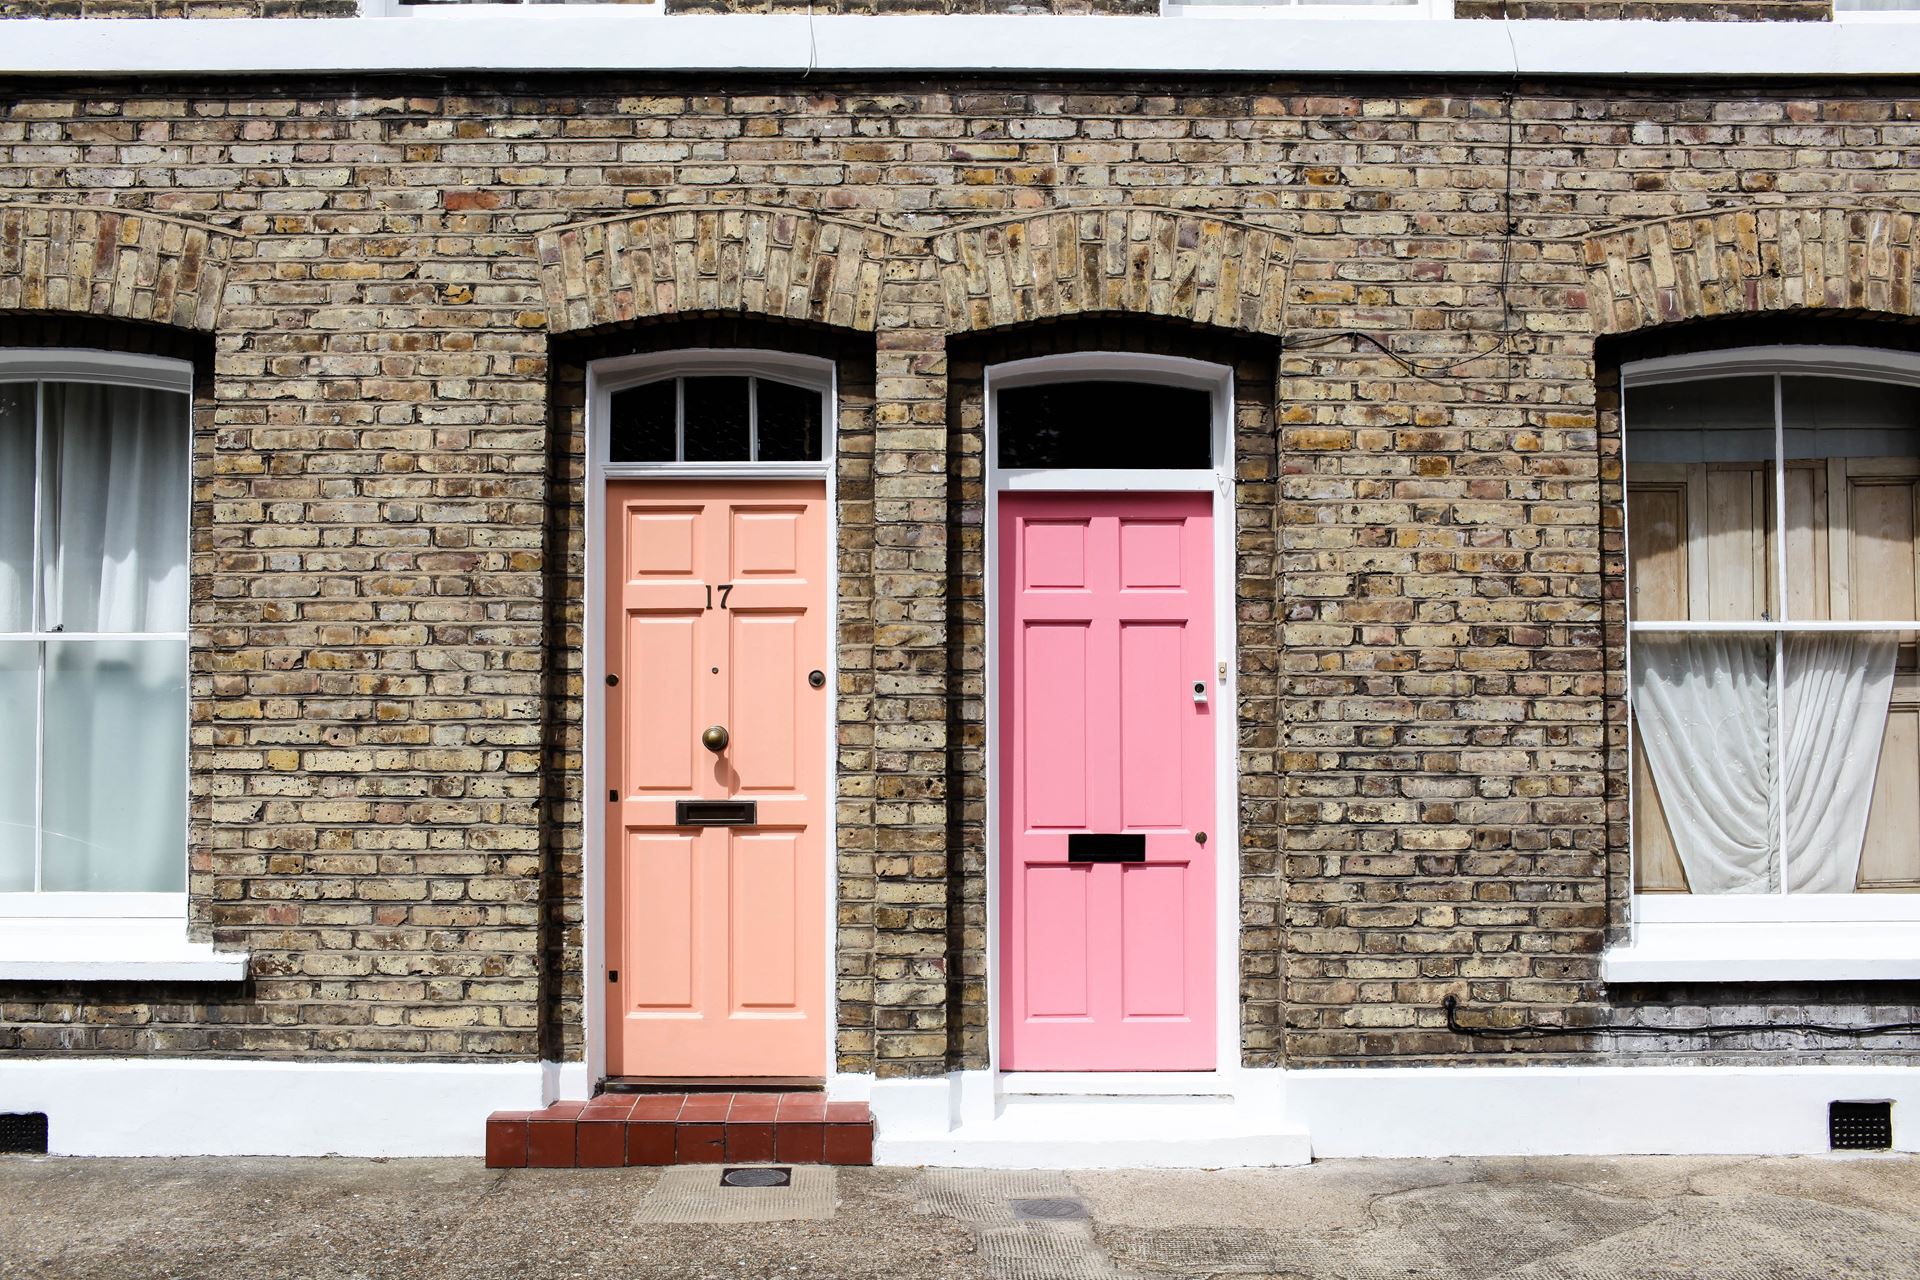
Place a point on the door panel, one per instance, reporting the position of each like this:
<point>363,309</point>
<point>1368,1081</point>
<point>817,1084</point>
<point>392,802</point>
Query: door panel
<point>1106,623</point>
<point>1153,908</point>
<point>716,613</point>
<point>662,917</point>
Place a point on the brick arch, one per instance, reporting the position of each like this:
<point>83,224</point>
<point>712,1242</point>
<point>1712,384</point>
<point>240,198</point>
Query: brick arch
<point>1751,260</point>
<point>82,260</point>
<point>1186,266</point>
<point>785,263</point>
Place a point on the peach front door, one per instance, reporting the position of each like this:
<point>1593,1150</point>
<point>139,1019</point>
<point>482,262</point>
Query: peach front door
<point>716,859</point>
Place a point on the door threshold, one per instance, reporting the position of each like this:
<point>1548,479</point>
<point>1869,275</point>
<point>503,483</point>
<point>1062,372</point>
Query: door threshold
<point>1116,1083</point>
<point>713,1084</point>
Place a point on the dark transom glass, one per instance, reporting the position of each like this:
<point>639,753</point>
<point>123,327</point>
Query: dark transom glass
<point>724,418</point>
<point>1106,425</point>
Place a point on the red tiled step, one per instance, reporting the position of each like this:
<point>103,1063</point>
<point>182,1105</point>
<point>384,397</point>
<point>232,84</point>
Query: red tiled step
<point>617,1129</point>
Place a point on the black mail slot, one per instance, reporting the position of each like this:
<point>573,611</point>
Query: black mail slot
<point>1106,847</point>
<point>715,813</point>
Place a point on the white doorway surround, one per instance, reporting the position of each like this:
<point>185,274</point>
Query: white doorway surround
<point>1221,1118</point>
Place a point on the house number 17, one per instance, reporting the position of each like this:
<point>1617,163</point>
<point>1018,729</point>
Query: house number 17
<point>725,589</point>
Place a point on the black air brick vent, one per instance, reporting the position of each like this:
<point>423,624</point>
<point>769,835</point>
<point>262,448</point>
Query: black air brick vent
<point>1860,1126</point>
<point>24,1133</point>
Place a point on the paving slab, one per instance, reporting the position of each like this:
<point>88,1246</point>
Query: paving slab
<point>1545,1219</point>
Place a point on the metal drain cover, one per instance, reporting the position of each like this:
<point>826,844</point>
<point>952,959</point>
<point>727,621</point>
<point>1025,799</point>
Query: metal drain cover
<point>1050,1209</point>
<point>756,1177</point>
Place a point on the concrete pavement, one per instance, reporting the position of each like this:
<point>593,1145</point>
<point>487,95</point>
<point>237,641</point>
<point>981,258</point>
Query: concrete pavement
<point>335,1219</point>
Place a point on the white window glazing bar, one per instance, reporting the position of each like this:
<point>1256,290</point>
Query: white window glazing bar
<point>39,646</point>
<point>679,419</point>
<point>753,419</point>
<point>108,635</point>
<point>1779,635</point>
<point>1760,626</point>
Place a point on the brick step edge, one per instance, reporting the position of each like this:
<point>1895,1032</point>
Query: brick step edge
<point>639,1130</point>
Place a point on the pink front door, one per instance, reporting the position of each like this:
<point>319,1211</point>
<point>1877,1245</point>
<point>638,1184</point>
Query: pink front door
<point>716,616</point>
<point>1106,627</point>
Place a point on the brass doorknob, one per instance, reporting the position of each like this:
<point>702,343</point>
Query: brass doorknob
<point>715,739</point>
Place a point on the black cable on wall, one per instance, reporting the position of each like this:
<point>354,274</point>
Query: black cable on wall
<point>1537,1031</point>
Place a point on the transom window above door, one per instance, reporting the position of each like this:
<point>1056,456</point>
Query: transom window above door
<point>717,418</point>
<point>1773,538</point>
<point>1106,424</point>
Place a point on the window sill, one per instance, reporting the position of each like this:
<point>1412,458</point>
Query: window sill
<point>96,950</point>
<point>1747,951</point>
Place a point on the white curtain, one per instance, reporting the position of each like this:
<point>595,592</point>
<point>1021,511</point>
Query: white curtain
<point>1838,688</point>
<point>16,505</point>
<point>1706,713</point>
<point>113,498</point>
<point>114,505</point>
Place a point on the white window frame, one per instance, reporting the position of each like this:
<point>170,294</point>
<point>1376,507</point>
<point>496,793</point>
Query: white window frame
<point>65,936</point>
<point>1771,937</point>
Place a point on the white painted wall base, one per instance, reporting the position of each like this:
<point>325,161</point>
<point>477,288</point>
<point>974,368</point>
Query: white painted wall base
<point>1469,1111</point>
<point>969,1118</point>
<point>1272,1117</point>
<point>204,1106</point>
<point>565,1081</point>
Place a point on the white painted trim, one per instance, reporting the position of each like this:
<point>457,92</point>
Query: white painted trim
<point>1347,1112</point>
<point>110,949</point>
<point>1872,364</point>
<point>84,364</point>
<point>604,377</point>
<point>65,906</point>
<point>1779,908</point>
<point>1619,1110</point>
<point>565,1082</point>
<point>562,10</point>
<point>224,1107</point>
<point>1111,1083</point>
<point>1217,381</point>
<point>1875,15</point>
<point>1120,480</point>
<point>173,1106</point>
<point>801,44</point>
<point>1747,951</point>
<point>967,1119</point>
<point>1310,10</point>
<point>1761,625</point>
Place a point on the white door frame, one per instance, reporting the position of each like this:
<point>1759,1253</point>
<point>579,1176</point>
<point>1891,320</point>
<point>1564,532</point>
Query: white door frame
<point>604,377</point>
<point>1217,381</point>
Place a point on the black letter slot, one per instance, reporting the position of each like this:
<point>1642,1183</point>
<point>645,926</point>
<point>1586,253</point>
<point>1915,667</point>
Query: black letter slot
<point>714,813</point>
<point>1106,847</point>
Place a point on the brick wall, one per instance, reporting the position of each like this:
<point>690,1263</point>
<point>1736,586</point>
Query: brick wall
<point>385,669</point>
